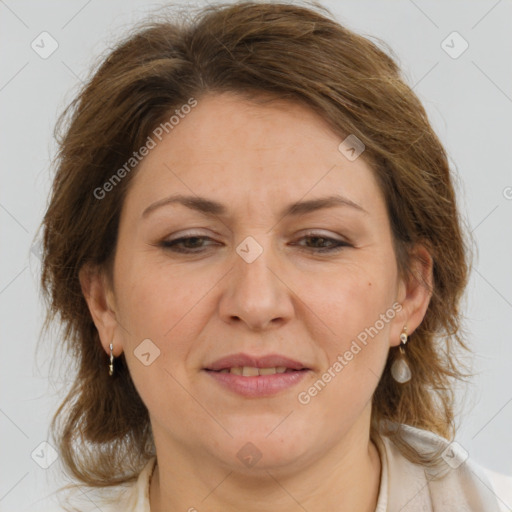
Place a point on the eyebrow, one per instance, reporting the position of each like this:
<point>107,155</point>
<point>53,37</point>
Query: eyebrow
<point>214,208</point>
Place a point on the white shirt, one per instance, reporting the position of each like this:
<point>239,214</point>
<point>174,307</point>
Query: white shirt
<point>464,486</point>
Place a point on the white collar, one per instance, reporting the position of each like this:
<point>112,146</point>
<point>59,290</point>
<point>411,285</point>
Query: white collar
<point>404,486</point>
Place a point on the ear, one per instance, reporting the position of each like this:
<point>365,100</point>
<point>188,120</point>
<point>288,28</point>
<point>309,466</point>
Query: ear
<point>100,300</point>
<point>414,293</point>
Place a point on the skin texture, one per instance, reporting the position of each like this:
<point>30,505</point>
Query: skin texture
<point>291,300</point>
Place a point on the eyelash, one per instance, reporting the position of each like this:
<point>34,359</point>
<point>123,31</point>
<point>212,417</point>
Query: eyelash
<point>173,244</point>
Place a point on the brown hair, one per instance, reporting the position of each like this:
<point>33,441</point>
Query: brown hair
<point>252,49</point>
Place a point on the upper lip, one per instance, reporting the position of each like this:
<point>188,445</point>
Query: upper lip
<point>266,361</point>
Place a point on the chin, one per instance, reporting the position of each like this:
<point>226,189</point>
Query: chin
<point>256,450</point>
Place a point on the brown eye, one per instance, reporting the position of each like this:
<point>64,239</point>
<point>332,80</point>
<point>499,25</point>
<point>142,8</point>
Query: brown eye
<point>320,243</point>
<point>186,244</point>
<point>195,244</point>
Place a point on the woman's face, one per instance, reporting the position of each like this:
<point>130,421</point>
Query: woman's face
<point>258,280</point>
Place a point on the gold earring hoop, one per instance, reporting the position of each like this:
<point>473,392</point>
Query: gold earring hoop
<point>111,364</point>
<point>400,369</point>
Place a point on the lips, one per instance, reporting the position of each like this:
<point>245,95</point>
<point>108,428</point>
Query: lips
<point>279,362</point>
<point>256,377</point>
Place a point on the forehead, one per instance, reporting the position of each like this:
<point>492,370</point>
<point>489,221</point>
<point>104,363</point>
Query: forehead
<point>268,154</point>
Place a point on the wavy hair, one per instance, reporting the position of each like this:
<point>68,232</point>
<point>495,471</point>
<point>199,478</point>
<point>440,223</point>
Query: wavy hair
<point>256,50</point>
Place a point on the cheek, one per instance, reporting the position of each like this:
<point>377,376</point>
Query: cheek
<point>354,342</point>
<point>169,306</point>
<point>162,312</point>
<point>355,309</point>
<point>352,296</point>
<point>154,298</point>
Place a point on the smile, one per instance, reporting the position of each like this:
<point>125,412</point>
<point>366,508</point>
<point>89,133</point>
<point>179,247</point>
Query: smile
<point>251,371</point>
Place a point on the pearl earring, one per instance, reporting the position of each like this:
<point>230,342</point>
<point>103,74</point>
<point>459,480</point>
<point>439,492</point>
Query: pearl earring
<point>400,370</point>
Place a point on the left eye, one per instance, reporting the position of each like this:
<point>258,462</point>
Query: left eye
<point>334,245</point>
<point>193,244</point>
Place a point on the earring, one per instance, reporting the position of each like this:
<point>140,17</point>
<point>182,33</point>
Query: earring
<point>111,365</point>
<point>400,370</point>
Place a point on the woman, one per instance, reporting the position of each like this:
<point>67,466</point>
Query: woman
<point>254,245</point>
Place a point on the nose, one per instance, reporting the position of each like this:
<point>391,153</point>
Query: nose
<point>256,293</point>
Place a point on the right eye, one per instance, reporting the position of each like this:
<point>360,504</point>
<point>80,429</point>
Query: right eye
<point>185,244</point>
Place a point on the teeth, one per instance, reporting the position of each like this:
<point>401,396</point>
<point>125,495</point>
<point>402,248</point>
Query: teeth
<point>250,371</point>
<point>267,371</point>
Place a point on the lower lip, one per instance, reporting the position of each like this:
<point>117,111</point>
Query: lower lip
<point>259,385</point>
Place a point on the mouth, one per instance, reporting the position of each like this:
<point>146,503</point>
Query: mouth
<point>252,376</point>
<point>251,371</point>
<point>268,363</point>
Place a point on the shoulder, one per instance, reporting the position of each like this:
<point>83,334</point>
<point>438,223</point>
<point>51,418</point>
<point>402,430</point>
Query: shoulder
<point>129,497</point>
<point>502,487</point>
<point>456,482</point>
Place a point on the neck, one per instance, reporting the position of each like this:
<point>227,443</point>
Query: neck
<point>346,477</point>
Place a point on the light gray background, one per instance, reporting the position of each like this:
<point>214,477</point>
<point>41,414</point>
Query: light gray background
<point>469,101</point>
